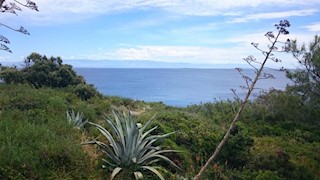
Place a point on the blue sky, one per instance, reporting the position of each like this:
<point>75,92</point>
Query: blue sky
<point>188,31</point>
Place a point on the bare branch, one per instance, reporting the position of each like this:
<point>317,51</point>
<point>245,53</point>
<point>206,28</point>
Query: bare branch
<point>256,45</point>
<point>250,60</point>
<point>21,29</point>
<point>235,94</point>
<point>1,2</point>
<point>30,4</point>
<point>270,36</point>
<point>5,48</point>
<point>281,27</point>
<point>12,7</point>
<point>4,39</point>
<point>275,59</point>
<point>266,76</point>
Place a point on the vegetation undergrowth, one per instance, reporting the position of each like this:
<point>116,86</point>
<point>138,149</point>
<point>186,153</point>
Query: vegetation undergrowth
<point>278,136</point>
<point>38,141</point>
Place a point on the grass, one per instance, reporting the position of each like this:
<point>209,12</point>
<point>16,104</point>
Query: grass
<point>38,143</point>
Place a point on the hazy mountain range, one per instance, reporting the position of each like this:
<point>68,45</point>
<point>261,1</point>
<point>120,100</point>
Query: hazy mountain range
<point>135,64</point>
<point>143,64</point>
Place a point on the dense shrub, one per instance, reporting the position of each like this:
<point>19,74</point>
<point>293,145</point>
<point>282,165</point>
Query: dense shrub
<point>283,113</point>
<point>280,106</point>
<point>85,91</point>
<point>38,147</point>
<point>36,140</point>
<point>236,153</point>
<point>218,111</point>
<point>40,71</point>
<point>195,136</point>
<point>250,174</point>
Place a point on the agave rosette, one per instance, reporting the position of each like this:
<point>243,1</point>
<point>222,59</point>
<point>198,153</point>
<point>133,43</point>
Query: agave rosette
<point>76,120</point>
<point>129,146</point>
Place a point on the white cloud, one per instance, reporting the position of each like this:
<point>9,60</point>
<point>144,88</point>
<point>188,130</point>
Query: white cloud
<point>219,7</point>
<point>188,54</point>
<point>246,40</point>
<point>272,15</point>
<point>191,54</point>
<point>315,27</point>
<point>57,11</point>
<point>239,48</point>
<point>3,58</point>
<point>287,59</point>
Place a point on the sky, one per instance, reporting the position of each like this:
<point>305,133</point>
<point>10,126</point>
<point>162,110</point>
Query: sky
<point>171,31</point>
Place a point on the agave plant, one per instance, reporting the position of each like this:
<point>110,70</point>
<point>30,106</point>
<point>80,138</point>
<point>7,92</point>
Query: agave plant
<point>130,145</point>
<point>76,120</point>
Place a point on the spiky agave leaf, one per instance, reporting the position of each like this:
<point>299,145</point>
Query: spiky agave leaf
<point>147,123</point>
<point>154,170</point>
<point>113,143</point>
<point>108,162</point>
<point>131,147</point>
<point>117,133</point>
<point>117,127</point>
<point>105,149</point>
<point>146,144</point>
<point>115,172</point>
<point>159,156</point>
<point>156,155</point>
<point>132,134</point>
<point>138,175</point>
<point>75,119</point>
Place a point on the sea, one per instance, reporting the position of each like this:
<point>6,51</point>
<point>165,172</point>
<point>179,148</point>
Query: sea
<point>178,87</point>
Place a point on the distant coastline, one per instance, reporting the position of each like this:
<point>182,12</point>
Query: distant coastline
<point>143,64</point>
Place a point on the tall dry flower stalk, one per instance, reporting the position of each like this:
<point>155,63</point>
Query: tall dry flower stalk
<point>250,83</point>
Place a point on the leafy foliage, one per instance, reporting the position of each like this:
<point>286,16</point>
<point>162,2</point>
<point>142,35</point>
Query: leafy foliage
<point>236,153</point>
<point>39,143</point>
<point>41,71</point>
<point>307,78</point>
<point>130,147</point>
<point>85,91</point>
<point>36,141</point>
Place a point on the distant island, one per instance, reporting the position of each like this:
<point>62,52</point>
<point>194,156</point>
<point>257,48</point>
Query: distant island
<point>145,64</point>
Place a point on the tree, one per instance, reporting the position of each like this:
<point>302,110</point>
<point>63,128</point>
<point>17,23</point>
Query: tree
<point>306,78</point>
<point>250,83</point>
<point>12,7</point>
<point>40,71</point>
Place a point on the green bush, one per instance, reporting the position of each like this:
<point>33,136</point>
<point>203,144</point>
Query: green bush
<point>85,91</point>
<point>37,150</point>
<point>249,175</point>
<point>280,106</point>
<point>236,153</point>
<point>40,71</point>
<point>36,140</point>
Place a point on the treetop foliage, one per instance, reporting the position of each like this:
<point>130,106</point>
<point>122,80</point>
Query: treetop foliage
<point>307,77</point>
<point>40,71</point>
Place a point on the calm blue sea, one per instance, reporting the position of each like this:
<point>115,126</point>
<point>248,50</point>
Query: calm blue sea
<point>176,87</point>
